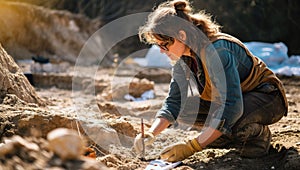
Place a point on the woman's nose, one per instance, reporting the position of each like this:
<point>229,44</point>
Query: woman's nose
<point>163,51</point>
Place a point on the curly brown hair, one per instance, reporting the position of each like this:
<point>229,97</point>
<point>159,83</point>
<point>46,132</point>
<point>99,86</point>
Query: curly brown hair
<point>165,22</point>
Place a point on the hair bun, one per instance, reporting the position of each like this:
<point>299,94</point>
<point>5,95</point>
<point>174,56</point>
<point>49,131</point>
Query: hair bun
<point>181,5</point>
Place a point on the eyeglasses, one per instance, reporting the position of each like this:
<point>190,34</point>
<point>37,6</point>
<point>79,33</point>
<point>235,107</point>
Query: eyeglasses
<point>165,44</point>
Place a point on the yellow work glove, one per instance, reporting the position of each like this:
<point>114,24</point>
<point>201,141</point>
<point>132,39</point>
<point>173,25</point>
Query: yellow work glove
<point>180,151</point>
<point>149,138</point>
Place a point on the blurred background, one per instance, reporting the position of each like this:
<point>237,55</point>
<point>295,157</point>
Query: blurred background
<point>37,27</point>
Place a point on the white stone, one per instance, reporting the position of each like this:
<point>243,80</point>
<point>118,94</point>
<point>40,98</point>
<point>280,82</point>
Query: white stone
<point>103,136</point>
<point>66,143</point>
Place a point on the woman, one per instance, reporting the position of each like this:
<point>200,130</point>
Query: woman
<point>239,95</point>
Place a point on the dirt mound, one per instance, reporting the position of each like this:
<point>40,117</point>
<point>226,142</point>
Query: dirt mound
<point>14,82</point>
<point>28,30</point>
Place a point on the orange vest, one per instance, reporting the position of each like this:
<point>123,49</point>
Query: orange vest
<point>259,74</point>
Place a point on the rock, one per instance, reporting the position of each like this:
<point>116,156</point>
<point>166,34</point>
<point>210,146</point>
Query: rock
<point>126,132</point>
<point>14,82</point>
<point>138,86</point>
<point>66,143</point>
<point>135,87</point>
<point>11,145</point>
<point>102,135</point>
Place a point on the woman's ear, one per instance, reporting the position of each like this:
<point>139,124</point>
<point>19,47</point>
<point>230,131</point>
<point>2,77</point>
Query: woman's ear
<point>182,35</point>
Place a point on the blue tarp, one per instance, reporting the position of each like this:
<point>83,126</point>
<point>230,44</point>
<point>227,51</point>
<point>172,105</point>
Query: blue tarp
<point>275,55</point>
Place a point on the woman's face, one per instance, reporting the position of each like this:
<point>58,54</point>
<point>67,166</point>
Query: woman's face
<point>173,50</point>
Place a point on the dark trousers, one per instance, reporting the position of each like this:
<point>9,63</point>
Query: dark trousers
<point>263,106</point>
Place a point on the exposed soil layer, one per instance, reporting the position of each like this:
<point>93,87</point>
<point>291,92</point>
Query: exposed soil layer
<point>33,123</point>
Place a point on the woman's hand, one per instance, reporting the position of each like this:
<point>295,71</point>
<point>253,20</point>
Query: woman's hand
<point>149,138</point>
<point>180,151</point>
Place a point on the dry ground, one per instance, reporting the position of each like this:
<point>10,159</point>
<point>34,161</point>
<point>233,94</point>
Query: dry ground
<point>283,155</point>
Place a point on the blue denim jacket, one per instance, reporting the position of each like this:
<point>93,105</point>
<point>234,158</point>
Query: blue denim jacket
<point>228,65</point>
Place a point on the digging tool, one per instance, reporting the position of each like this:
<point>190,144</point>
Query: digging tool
<point>143,137</point>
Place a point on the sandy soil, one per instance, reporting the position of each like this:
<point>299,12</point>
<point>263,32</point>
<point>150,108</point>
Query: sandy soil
<point>284,153</point>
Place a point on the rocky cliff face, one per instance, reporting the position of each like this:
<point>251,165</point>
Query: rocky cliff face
<point>13,82</point>
<point>28,30</point>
